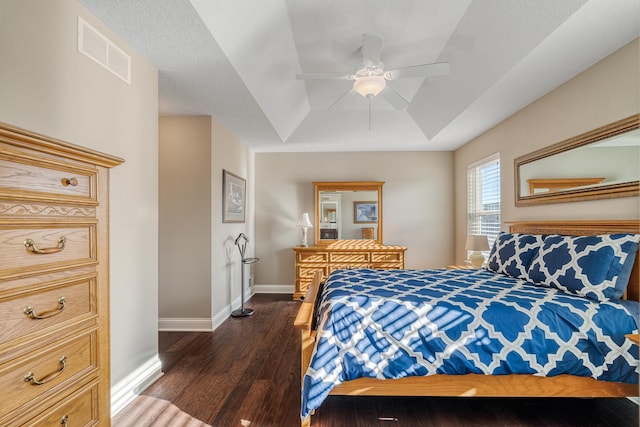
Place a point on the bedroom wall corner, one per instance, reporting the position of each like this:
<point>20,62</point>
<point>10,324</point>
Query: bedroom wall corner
<point>607,91</point>
<point>229,153</point>
<point>184,252</point>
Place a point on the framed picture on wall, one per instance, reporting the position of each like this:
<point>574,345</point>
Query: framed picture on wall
<point>365,212</point>
<point>233,197</point>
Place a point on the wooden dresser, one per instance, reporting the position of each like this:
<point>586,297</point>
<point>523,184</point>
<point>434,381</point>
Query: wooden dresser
<point>343,254</point>
<point>54,282</point>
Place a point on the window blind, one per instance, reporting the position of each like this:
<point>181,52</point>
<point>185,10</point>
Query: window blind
<point>483,197</point>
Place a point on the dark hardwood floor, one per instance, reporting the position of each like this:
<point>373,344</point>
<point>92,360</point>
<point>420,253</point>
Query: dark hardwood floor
<point>247,373</point>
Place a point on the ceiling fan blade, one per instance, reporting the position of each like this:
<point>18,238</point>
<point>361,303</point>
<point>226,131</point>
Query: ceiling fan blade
<point>371,49</point>
<point>338,103</point>
<point>424,70</point>
<point>324,76</point>
<point>394,98</point>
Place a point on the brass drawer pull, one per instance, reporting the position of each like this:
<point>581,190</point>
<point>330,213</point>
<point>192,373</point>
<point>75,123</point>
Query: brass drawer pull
<point>30,377</point>
<point>45,314</point>
<point>31,246</point>
<point>69,181</point>
<point>64,421</point>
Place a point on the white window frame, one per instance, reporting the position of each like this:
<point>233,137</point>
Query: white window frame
<point>475,209</point>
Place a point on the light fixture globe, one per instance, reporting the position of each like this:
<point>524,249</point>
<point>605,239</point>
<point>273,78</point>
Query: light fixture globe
<point>369,85</point>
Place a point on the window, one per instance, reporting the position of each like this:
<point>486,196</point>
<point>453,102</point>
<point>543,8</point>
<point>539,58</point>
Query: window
<point>483,197</point>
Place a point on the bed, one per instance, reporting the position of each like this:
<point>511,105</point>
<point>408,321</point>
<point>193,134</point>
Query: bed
<point>492,378</point>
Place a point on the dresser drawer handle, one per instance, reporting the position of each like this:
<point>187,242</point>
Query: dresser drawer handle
<point>69,181</point>
<point>64,421</point>
<point>31,246</point>
<point>30,377</point>
<point>45,314</point>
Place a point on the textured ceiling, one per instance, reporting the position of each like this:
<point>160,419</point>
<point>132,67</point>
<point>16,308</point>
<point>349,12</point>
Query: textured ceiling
<point>237,61</point>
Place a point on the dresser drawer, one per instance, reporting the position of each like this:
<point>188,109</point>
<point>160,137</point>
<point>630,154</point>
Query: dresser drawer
<point>80,409</point>
<point>35,312</point>
<point>54,367</point>
<point>387,266</point>
<point>387,256</point>
<point>349,257</point>
<point>310,257</point>
<point>35,178</point>
<point>346,266</point>
<point>33,249</point>
<point>307,271</point>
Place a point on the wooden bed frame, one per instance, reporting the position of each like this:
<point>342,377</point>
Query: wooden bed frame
<point>475,385</point>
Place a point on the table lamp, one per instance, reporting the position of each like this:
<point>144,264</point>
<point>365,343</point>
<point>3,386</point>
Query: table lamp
<point>476,243</point>
<point>304,223</point>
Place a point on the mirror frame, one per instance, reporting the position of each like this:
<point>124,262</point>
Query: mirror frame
<point>625,189</point>
<point>347,186</point>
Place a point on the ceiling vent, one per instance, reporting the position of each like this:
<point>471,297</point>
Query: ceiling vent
<point>103,51</point>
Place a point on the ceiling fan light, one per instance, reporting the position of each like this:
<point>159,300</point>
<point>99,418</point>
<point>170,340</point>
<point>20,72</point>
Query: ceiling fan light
<point>369,85</point>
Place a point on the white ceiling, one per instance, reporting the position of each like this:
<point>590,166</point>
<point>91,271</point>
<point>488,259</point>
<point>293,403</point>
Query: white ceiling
<point>237,61</point>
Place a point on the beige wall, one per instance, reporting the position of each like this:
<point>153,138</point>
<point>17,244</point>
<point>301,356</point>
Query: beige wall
<point>417,203</point>
<point>604,93</point>
<point>48,87</point>
<point>228,152</point>
<point>199,263</point>
<point>184,217</point>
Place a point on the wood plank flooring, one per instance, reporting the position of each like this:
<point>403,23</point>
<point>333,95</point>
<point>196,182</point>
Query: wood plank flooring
<point>247,373</point>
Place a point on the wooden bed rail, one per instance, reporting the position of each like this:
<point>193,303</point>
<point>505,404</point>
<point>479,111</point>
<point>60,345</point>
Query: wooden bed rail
<point>304,321</point>
<point>304,318</point>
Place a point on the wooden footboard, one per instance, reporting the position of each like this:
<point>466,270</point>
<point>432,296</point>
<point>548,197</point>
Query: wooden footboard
<point>472,385</point>
<point>475,385</point>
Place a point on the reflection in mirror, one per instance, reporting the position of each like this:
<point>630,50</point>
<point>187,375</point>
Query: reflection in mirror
<point>602,163</point>
<point>612,161</point>
<point>348,215</point>
<point>348,211</point>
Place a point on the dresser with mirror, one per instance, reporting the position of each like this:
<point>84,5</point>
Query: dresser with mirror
<point>348,233</point>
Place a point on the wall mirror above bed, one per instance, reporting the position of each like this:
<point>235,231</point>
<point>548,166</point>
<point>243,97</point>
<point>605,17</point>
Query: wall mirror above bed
<point>348,211</point>
<point>602,163</point>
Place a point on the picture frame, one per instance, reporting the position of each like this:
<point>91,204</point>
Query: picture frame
<point>365,212</point>
<point>234,189</point>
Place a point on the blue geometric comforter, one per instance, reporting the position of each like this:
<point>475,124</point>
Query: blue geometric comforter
<point>398,323</point>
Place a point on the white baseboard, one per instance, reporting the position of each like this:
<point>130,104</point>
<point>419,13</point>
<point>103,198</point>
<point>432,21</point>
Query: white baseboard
<point>167,324</point>
<point>135,383</point>
<point>184,324</point>
<point>221,316</point>
<point>273,289</point>
<point>208,325</point>
<point>634,400</point>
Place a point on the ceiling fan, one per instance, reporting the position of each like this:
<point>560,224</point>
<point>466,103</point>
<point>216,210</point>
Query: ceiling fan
<point>371,77</point>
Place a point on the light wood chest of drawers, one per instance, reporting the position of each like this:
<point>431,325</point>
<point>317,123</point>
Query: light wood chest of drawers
<point>54,282</point>
<point>343,254</point>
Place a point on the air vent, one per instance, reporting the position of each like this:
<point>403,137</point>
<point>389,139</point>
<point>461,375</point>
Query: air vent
<point>103,51</point>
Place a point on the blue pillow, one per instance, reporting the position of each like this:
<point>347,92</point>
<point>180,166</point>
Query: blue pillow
<point>596,267</point>
<point>512,253</point>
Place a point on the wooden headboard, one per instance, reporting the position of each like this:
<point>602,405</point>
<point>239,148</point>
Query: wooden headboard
<point>587,228</point>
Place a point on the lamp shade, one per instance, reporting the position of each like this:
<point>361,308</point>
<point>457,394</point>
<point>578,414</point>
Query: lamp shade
<point>477,242</point>
<point>369,85</point>
<point>304,221</point>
